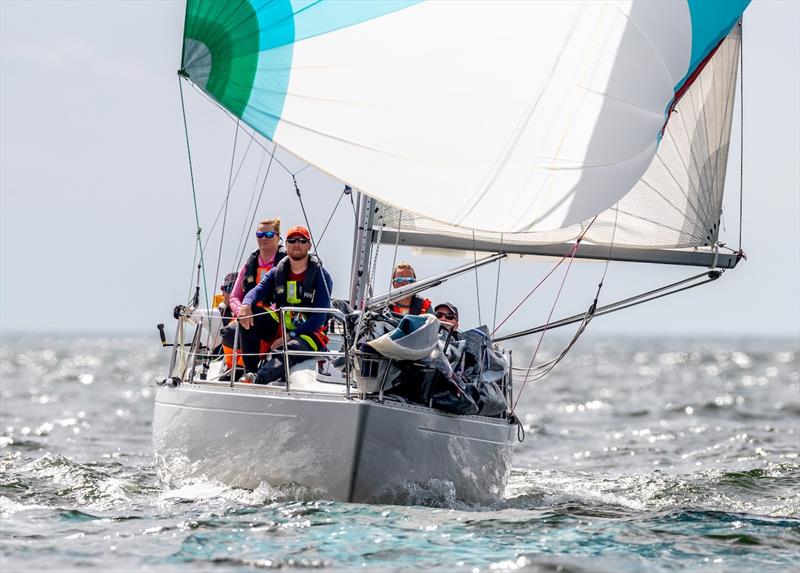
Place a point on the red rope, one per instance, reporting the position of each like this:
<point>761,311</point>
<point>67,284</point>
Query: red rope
<point>549,317</point>
<point>516,308</point>
<point>571,256</point>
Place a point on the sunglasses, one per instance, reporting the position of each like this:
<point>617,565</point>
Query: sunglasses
<point>226,288</point>
<point>266,234</point>
<point>300,240</point>
<point>404,280</point>
<point>446,315</point>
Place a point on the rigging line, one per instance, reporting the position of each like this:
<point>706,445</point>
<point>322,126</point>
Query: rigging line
<point>344,191</point>
<point>224,205</point>
<point>710,277</point>
<point>561,260</point>
<point>233,117</point>
<point>227,201</point>
<point>619,305</point>
<point>497,287</point>
<point>243,247</point>
<point>396,247</point>
<point>243,234</point>
<point>549,317</point>
<point>717,176</point>
<point>191,273</point>
<point>741,130</point>
<point>547,367</point>
<point>194,191</point>
<point>477,285</point>
<point>610,250</point>
<point>569,254</point>
<point>308,226</point>
<point>299,171</point>
<point>244,155</point>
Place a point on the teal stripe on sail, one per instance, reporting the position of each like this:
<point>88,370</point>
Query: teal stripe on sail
<point>315,17</point>
<point>276,21</point>
<point>220,50</point>
<point>712,20</point>
<point>240,52</point>
<point>284,23</point>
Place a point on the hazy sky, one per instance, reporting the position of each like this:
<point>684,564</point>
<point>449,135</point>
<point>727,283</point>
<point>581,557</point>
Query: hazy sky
<point>97,228</point>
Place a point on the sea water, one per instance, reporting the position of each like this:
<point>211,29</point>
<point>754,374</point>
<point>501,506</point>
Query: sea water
<point>638,455</point>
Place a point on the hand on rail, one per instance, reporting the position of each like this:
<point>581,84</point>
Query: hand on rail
<point>244,316</point>
<point>277,345</point>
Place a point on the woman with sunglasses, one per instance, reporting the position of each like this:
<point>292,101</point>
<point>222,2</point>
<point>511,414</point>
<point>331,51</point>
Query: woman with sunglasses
<point>404,275</point>
<point>269,253</point>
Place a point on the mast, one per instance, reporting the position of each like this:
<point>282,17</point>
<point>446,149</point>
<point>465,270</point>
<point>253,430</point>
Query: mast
<point>362,249</point>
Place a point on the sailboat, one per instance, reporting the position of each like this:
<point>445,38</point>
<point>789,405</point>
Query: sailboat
<point>594,130</point>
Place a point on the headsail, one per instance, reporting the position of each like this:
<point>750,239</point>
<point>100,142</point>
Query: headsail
<point>672,214</point>
<point>499,116</point>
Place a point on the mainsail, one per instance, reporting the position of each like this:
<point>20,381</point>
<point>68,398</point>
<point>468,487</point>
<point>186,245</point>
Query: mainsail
<point>504,117</point>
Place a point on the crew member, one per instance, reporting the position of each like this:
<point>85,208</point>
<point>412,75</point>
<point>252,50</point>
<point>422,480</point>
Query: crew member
<point>404,275</point>
<point>447,313</point>
<point>224,308</point>
<point>298,280</point>
<point>269,253</point>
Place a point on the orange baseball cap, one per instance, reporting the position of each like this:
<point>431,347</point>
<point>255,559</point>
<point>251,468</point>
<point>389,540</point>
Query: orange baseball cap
<point>302,231</point>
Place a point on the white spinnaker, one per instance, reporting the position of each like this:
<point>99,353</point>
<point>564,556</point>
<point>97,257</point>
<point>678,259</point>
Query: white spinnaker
<point>678,201</point>
<point>514,116</point>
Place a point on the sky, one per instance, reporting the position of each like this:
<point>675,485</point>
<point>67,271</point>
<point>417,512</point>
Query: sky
<point>97,224</point>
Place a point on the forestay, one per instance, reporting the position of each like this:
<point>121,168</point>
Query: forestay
<point>498,116</point>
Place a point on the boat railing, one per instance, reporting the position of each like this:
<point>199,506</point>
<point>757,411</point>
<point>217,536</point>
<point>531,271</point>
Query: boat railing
<point>185,361</point>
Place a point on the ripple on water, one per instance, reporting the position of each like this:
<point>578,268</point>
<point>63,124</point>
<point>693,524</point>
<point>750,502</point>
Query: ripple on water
<point>640,456</point>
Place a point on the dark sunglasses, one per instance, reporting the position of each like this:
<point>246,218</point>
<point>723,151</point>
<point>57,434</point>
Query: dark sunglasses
<point>300,240</point>
<point>226,288</point>
<point>266,234</point>
<point>402,280</point>
<point>446,315</point>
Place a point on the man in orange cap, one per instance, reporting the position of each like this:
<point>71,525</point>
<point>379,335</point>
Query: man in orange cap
<point>298,280</point>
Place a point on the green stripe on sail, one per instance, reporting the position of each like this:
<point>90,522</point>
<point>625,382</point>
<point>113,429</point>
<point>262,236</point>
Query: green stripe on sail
<point>225,34</point>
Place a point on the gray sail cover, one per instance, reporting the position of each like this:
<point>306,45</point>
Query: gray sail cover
<point>413,339</point>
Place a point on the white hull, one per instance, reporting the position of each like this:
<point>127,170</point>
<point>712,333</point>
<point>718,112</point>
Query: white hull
<point>343,449</point>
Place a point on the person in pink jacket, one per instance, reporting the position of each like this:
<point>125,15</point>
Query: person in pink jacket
<point>269,253</point>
